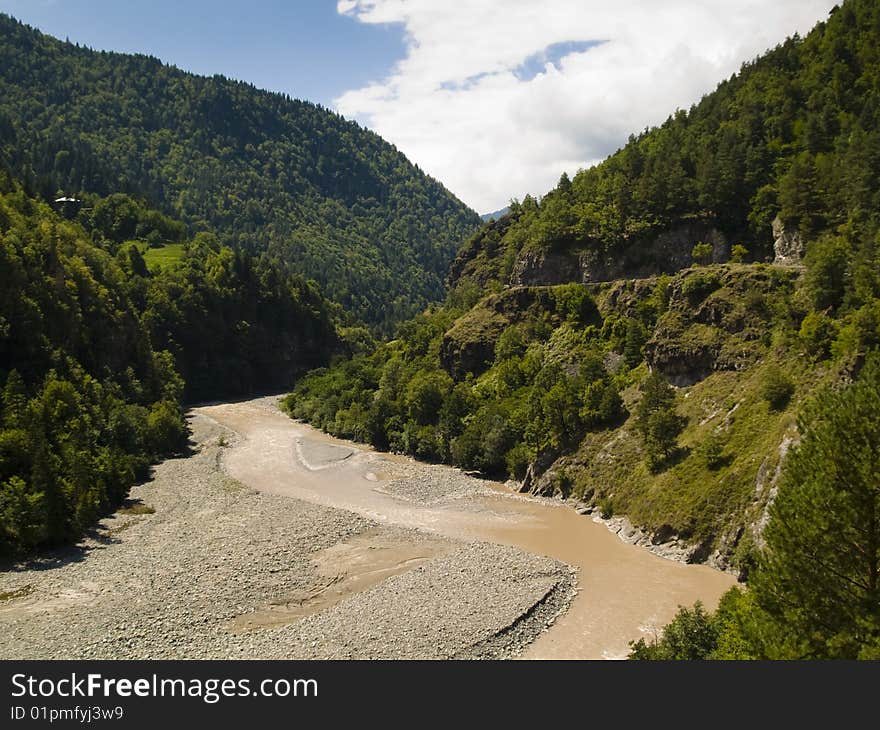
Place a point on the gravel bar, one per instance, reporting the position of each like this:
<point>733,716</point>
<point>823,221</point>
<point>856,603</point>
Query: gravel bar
<point>194,551</point>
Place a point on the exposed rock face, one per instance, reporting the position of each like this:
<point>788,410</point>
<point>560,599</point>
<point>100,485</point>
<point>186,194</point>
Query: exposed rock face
<point>641,257</point>
<point>788,246</point>
<point>460,356</point>
<point>767,487</point>
<point>716,320</point>
<point>663,253</point>
<point>469,345</point>
<point>683,365</point>
<point>545,268</point>
<point>536,480</point>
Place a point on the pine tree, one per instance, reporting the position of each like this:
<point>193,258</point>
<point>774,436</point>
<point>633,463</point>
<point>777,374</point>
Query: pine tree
<point>13,400</point>
<point>636,336</point>
<point>819,579</point>
<point>657,421</point>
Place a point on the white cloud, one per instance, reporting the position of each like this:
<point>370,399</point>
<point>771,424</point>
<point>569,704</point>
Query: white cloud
<point>457,107</point>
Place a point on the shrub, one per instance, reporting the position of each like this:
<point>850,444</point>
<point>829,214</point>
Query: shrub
<point>562,482</point>
<point>702,253</point>
<point>657,421</point>
<point>827,261</point>
<point>606,507</point>
<point>424,396</point>
<point>517,460</point>
<point>692,634</point>
<point>777,388</point>
<point>466,449</point>
<point>661,436</point>
<point>817,332</point>
<point>575,302</point>
<point>510,344</point>
<point>738,253</point>
<point>636,337</point>
<point>23,518</point>
<point>711,451</point>
<point>697,287</point>
<point>422,441</point>
<point>166,430</point>
<point>485,441</point>
<point>602,405</point>
<point>860,333</point>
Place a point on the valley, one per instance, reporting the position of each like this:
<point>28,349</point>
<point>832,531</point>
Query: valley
<point>681,341</point>
<point>274,540</point>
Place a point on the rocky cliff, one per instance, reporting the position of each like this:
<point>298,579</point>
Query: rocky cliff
<point>645,255</point>
<point>718,319</point>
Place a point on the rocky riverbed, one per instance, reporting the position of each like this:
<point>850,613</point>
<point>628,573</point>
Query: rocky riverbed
<point>198,566</point>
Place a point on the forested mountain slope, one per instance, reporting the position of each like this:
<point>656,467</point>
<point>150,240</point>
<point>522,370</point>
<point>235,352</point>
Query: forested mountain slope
<point>93,345</point>
<point>795,134</point>
<point>322,195</point>
<point>657,268</point>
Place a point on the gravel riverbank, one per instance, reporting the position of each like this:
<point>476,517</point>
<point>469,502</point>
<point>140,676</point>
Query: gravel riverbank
<point>199,566</point>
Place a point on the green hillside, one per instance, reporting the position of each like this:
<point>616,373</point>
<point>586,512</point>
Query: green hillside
<point>93,346</point>
<point>682,340</point>
<point>165,256</point>
<point>660,260</point>
<point>266,173</point>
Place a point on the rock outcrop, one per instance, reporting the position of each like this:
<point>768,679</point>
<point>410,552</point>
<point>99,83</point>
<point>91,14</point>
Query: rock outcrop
<point>788,246</point>
<point>767,487</point>
<point>540,267</point>
<point>469,345</point>
<point>642,256</point>
<point>717,320</point>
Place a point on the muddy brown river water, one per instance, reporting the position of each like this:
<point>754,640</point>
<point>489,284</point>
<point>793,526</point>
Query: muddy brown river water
<point>625,592</point>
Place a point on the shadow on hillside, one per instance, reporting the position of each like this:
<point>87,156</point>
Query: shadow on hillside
<point>676,456</point>
<point>53,558</point>
<point>272,393</point>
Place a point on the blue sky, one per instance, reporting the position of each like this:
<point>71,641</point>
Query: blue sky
<point>494,98</point>
<point>302,47</point>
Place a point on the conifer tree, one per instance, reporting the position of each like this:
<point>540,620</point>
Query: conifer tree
<point>657,421</point>
<point>819,579</point>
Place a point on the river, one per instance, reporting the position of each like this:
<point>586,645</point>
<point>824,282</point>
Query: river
<point>625,592</point>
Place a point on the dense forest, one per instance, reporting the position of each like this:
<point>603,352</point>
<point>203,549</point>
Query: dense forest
<point>568,387</point>
<point>323,196</point>
<point>98,353</point>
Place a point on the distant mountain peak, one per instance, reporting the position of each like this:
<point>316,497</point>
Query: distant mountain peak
<point>486,217</point>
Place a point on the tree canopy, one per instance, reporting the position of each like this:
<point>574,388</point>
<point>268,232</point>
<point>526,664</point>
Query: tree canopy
<point>819,579</point>
<point>324,196</point>
<point>93,345</point>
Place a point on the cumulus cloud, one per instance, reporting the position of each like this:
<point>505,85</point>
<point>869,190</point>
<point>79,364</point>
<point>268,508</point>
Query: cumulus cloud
<point>496,98</point>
